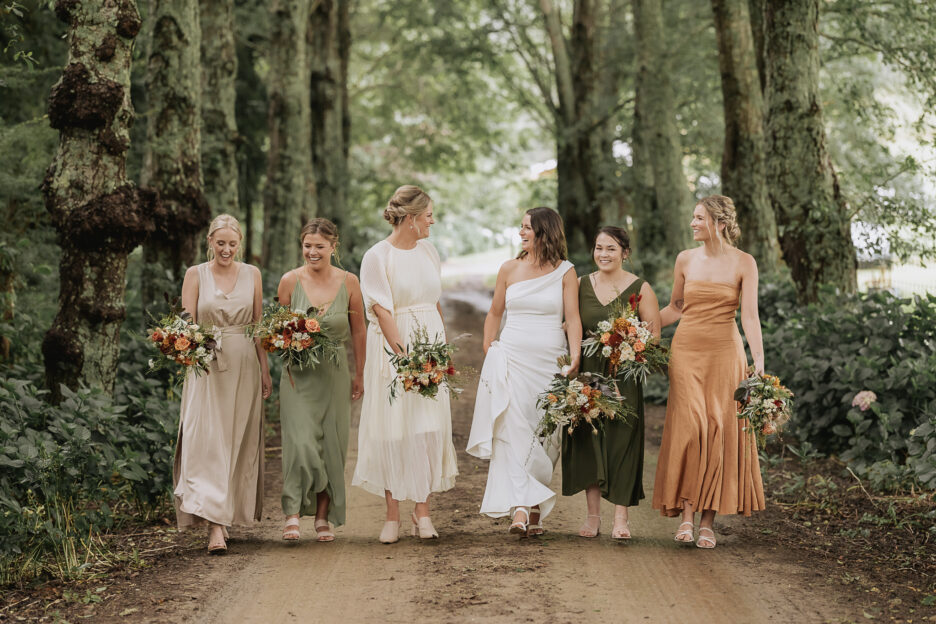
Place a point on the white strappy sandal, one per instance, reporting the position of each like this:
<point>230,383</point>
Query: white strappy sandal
<point>681,532</point>
<point>517,527</point>
<point>706,538</point>
<point>323,532</point>
<point>535,528</point>
<point>291,530</point>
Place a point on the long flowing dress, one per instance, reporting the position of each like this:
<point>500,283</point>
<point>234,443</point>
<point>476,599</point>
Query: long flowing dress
<point>218,468</point>
<point>612,459</point>
<point>705,457</point>
<point>517,368</point>
<point>405,446</point>
<point>315,413</point>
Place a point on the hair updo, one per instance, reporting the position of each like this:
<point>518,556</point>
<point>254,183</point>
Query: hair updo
<point>722,210</point>
<point>324,228</point>
<point>219,223</point>
<point>619,235</point>
<point>407,200</point>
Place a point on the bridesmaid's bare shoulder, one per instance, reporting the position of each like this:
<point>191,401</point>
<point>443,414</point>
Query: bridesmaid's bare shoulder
<point>289,278</point>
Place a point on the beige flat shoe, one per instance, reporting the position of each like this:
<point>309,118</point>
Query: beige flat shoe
<point>390,532</point>
<point>422,528</point>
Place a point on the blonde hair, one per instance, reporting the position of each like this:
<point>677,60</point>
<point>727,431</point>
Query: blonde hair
<point>722,210</point>
<point>326,229</point>
<point>219,223</point>
<point>407,200</point>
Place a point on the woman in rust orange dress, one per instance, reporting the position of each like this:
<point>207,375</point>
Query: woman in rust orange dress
<point>707,462</point>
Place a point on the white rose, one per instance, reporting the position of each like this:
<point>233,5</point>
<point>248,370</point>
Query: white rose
<point>606,351</point>
<point>575,385</point>
<point>199,337</point>
<point>604,326</point>
<point>581,399</point>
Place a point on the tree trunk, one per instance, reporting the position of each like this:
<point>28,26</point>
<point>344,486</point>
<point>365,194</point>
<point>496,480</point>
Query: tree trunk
<point>658,118</point>
<point>648,246</point>
<point>7,295</point>
<point>219,124</point>
<point>756,8</point>
<point>812,215</point>
<point>96,211</point>
<point>580,159</point>
<point>329,47</point>
<point>172,162</point>
<point>743,167</point>
<point>290,192</point>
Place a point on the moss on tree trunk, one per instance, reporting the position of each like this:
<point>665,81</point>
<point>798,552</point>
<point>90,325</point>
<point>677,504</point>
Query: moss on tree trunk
<point>289,196</point>
<point>743,168</point>
<point>99,216</point>
<point>172,159</point>
<point>329,38</point>
<point>219,136</point>
<point>812,214</point>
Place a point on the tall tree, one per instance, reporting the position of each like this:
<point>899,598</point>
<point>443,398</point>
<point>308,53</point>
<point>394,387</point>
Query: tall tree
<point>96,210</point>
<point>658,126</point>
<point>219,124</point>
<point>812,214</point>
<point>329,37</point>
<point>743,168</point>
<point>172,159</point>
<point>290,190</point>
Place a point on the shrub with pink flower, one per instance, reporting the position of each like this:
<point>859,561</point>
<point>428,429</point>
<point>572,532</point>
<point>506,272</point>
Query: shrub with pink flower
<point>864,399</point>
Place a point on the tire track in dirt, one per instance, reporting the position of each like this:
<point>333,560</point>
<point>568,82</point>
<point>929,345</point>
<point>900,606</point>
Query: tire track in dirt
<point>477,572</point>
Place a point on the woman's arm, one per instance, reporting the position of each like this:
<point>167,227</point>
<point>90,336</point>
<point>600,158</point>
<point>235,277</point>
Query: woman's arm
<point>649,309</point>
<point>673,312</point>
<point>190,292</point>
<point>389,328</point>
<point>750,316</point>
<point>492,321</point>
<point>573,319</point>
<point>266,383</point>
<point>358,334</point>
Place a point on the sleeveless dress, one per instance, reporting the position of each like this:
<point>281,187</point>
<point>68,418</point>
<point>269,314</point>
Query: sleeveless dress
<point>218,469</point>
<point>404,447</point>
<point>612,459</point>
<point>705,457</point>
<point>315,415</point>
<point>517,368</point>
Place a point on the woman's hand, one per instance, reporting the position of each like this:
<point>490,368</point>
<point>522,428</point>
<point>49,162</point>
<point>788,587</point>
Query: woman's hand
<point>266,384</point>
<point>759,366</point>
<point>571,370</point>
<point>357,387</point>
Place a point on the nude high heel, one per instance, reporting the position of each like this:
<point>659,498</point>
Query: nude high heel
<point>422,528</point>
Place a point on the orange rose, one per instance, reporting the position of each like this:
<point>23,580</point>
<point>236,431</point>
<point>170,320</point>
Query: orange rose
<point>552,398</point>
<point>312,325</point>
<point>182,343</point>
<point>631,331</point>
<point>436,377</point>
<point>605,337</point>
<point>639,346</point>
<point>427,367</point>
<point>306,343</point>
<point>157,336</point>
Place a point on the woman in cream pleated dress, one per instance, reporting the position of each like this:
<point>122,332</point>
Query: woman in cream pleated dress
<point>707,461</point>
<point>405,449</point>
<point>218,468</point>
<point>315,404</point>
<point>535,291</point>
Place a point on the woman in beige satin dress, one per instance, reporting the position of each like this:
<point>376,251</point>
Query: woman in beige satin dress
<point>218,469</point>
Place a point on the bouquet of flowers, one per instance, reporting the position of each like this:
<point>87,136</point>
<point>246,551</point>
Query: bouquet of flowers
<point>765,404</point>
<point>425,367</point>
<point>627,343</point>
<point>296,337</point>
<point>586,399</point>
<point>181,341</point>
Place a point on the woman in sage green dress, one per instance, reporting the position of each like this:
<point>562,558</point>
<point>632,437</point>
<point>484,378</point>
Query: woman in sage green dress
<point>609,465</point>
<point>315,404</point>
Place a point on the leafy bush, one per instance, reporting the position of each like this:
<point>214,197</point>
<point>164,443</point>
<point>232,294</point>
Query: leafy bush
<point>829,351</point>
<point>68,469</point>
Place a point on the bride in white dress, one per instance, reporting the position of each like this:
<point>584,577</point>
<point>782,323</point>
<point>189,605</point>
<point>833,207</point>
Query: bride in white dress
<point>535,290</point>
<point>405,449</point>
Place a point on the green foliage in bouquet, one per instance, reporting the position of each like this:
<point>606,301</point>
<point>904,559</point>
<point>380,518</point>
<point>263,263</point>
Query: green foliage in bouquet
<point>425,367</point>
<point>295,337</point>
<point>766,404</point>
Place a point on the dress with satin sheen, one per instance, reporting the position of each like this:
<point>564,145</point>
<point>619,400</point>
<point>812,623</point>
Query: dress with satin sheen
<point>612,459</point>
<point>404,447</point>
<point>218,468</point>
<point>705,457</point>
<point>315,415</point>
<point>517,369</point>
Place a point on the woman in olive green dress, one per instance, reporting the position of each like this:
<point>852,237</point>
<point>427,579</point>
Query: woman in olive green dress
<point>609,465</point>
<point>315,404</point>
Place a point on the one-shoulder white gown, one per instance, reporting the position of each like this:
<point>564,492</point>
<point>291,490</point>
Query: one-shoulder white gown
<point>517,368</point>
